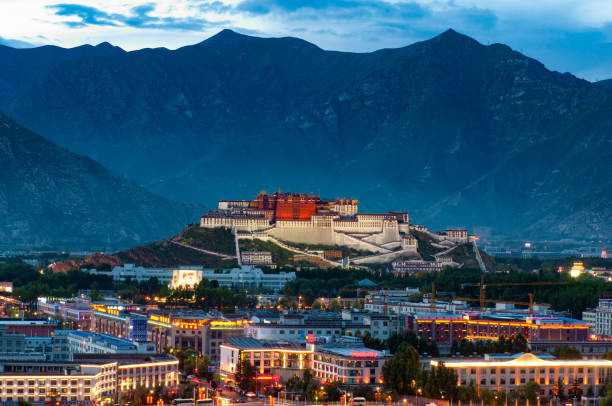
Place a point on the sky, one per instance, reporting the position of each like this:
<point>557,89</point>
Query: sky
<point>566,35</point>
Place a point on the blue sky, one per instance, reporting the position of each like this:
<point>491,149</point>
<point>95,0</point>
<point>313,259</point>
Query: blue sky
<point>566,35</point>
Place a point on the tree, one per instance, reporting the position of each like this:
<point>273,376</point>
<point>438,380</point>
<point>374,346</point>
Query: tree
<point>532,390</point>
<point>334,306</point>
<point>566,352</point>
<point>401,370</point>
<point>559,389</point>
<point>364,391</point>
<point>245,376</point>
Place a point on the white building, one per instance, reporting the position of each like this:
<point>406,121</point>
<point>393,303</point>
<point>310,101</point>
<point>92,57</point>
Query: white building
<point>66,343</point>
<point>136,273</point>
<point>603,318</point>
<point>350,365</point>
<point>512,373</point>
<point>248,277</point>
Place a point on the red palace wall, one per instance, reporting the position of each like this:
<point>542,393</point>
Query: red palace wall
<point>295,207</point>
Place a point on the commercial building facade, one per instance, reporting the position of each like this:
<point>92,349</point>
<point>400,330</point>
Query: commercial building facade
<point>497,374</point>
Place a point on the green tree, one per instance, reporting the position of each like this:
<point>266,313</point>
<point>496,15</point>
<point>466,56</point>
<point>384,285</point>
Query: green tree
<point>246,376</point>
<point>566,352</point>
<point>401,370</point>
<point>532,390</point>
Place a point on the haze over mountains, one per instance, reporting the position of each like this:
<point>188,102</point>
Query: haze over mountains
<point>455,132</point>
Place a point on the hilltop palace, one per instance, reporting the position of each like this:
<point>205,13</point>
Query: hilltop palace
<point>310,220</point>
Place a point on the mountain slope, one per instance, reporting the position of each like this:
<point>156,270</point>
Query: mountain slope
<point>49,195</point>
<point>607,84</point>
<point>455,132</point>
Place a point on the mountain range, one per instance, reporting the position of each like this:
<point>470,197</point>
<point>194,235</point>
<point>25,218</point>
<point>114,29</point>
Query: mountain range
<point>455,132</point>
<point>49,195</point>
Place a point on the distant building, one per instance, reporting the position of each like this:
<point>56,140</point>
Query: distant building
<point>78,314</point>
<point>136,273</point>
<point>261,258</point>
<point>458,235</point>
<point>403,268</point>
<point>66,343</point>
<point>248,277</point>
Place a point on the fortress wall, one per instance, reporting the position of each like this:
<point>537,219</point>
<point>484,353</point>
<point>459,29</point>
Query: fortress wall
<point>306,235</point>
<point>356,243</point>
<point>379,259</point>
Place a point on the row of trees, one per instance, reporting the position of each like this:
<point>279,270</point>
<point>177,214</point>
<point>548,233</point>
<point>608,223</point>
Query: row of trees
<point>422,345</point>
<point>513,344</point>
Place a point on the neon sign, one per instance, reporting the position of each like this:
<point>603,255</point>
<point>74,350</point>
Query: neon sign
<point>364,354</point>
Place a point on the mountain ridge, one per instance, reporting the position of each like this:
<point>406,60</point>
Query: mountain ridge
<point>453,131</point>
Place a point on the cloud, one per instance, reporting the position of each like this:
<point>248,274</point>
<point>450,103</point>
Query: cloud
<point>15,43</point>
<point>139,17</point>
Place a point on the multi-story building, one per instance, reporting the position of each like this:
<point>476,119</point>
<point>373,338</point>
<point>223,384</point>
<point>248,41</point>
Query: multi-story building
<point>271,359</point>
<point>589,316</point>
<point>445,330</point>
<point>66,343</point>
<point>294,327</point>
<point>136,273</point>
<point>124,321</point>
<point>78,314</point>
<point>248,277</point>
<point>136,371</point>
<point>30,328</point>
<point>603,318</point>
<point>351,365</point>
<point>42,382</point>
<point>200,331</point>
<point>503,373</point>
<point>261,258</point>
<point>458,235</point>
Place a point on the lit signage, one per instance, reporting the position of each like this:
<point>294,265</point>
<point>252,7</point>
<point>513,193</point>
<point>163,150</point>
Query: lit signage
<point>364,354</point>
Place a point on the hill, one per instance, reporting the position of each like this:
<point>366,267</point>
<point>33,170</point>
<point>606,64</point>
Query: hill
<point>454,131</point>
<point>49,195</point>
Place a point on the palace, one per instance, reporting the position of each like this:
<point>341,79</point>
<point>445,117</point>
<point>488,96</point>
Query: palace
<point>302,218</point>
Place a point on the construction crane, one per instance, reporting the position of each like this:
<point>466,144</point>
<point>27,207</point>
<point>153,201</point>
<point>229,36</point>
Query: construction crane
<point>482,286</point>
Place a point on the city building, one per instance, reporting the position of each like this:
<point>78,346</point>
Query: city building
<point>248,277</point>
<point>446,329</point>
<point>197,330</point>
<point>513,372</point>
<point>261,258</point>
<point>121,320</point>
<point>42,382</point>
<point>136,273</point>
<point>30,328</point>
<point>273,360</point>
<point>603,318</point>
<point>348,364</point>
<point>66,343</point>
<point>77,314</point>
<point>295,327</point>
